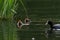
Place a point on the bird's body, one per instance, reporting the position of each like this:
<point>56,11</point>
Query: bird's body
<point>56,26</point>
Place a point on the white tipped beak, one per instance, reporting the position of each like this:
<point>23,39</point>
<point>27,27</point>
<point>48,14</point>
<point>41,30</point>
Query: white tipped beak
<point>46,23</point>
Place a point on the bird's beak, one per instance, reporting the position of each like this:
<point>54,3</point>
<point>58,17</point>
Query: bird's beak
<point>46,23</point>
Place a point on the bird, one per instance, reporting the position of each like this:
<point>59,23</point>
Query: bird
<point>53,26</point>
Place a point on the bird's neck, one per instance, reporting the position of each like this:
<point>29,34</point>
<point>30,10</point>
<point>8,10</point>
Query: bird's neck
<point>51,26</point>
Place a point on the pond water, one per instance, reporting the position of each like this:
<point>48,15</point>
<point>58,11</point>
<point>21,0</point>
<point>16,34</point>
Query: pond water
<point>9,31</point>
<point>36,31</point>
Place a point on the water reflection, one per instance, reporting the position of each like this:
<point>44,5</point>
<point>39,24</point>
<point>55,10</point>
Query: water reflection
<point>7,30</point>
